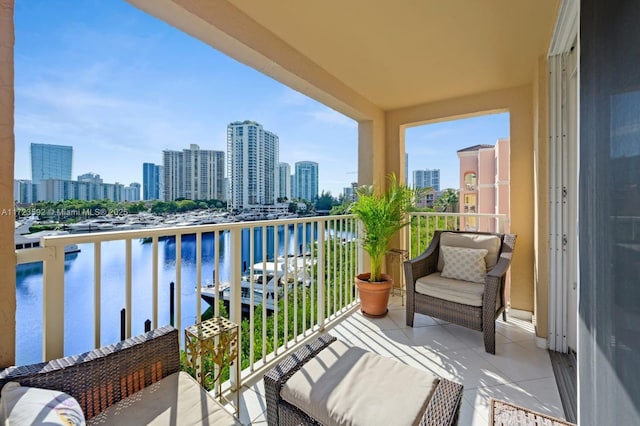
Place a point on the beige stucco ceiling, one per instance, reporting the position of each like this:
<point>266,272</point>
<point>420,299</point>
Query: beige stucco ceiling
<point>363,56</point>
<point>407,52</point>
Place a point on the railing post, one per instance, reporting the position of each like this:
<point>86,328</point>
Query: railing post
<point>321,274</point>
<point>123,323</point>
<point>97,293</point>
<point>128,298</point>
<point>360,254</point>
<point>53,305</point>
<point>172,303</point>
<point>154,284</point>
<point>235,305</point>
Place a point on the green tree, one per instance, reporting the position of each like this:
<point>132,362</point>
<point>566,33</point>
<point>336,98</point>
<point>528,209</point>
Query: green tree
<point>135,208</point>
<point>448,201</point>
<point>325,201</point>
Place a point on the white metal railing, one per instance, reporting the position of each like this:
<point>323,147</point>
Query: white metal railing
<point>318,286</point>
<point>420,232</point>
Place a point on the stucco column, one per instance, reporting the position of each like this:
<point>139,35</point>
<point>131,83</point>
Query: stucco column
<point>7,248</point>
<point>371,162</point>
<point>541,188</point>
<point>371,152</point>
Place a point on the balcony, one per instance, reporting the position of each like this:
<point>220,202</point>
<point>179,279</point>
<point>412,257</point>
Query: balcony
<point>320,302</point>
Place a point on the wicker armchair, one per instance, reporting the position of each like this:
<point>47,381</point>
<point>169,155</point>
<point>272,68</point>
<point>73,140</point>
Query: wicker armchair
<point>481,316</point>
<point>97,379</point>
<point>135,381</point>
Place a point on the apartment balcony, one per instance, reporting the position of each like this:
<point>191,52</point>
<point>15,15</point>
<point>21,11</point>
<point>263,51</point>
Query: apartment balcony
<point>236,256</point>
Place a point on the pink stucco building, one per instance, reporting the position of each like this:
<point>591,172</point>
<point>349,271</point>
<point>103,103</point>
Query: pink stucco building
<point>484,182</point>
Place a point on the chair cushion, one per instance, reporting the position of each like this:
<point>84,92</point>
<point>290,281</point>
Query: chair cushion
<point>491,243</point>
<point>465,292</point>
<point>22,405</point>
<point>176,400</point>
<point>461,263</point>
<point>345,385</point>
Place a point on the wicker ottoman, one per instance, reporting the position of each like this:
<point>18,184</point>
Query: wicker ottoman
<point>328,382</point>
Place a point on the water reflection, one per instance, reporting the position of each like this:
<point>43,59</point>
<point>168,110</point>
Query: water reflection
<point>79,284</point>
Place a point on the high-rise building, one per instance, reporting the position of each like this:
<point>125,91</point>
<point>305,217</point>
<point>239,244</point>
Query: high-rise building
<point>252,165</point>
<point>194,174</point>
<point>427,179</point>
<point>285,181</point>
<point>132,192</point>
<point>349,192</point>
<point>172,171</point>
<point>90,177</point>
<point>50,162</point>
<point>306,180</point>
<point>24,191</point>
<point>86,190</point>
<point>151,181</point>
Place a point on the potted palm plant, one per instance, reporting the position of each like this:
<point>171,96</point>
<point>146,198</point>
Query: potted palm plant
<point>381,215</point>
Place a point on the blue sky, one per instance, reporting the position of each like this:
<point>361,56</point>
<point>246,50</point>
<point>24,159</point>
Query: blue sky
<point>120,87</point>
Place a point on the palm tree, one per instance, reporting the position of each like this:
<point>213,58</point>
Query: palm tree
<point>448,201</point>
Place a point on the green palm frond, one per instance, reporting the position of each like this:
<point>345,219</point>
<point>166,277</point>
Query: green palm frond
<point>382,215</point>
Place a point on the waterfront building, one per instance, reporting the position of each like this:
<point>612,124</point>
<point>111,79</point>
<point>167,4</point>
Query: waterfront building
<point>252,165</point>
<point>90,177</point>
<point>132,192</point>
<point>55,190</point>
<point>285,181</point>
<point>50,162</point>
<point>60,190</point>
<point>306,180</point>
<point>24,191</point>
<point>293,185</point>
<point>429,178</point>
<point>194,174</point>
<point>349,192</point>
<point>484,180</point>
<point>151,181</point>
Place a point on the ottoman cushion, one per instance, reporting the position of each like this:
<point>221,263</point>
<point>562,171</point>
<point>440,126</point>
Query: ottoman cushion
<point>345,385</point>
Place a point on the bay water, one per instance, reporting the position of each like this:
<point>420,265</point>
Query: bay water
<point>79,286</point>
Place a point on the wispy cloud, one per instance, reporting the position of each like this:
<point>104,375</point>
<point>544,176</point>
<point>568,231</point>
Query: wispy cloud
<point>332,117</point>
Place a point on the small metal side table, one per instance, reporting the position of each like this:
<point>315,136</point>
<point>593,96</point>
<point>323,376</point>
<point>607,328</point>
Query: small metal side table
<point>215,339</point>
<point>402,256</point>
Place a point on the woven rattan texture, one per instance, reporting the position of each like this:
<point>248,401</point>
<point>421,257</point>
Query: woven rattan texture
<point>104,376</point>
<point>278,412</point>
<point>444,407</point>
<point>507,414</point>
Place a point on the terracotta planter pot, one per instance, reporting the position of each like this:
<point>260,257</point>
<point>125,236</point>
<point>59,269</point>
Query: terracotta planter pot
<point>374,297</point>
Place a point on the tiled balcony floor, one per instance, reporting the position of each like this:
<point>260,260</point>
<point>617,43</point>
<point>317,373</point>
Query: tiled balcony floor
<point>520,372</point>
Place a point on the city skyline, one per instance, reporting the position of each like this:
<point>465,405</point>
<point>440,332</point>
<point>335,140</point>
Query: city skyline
<point>121,87</point>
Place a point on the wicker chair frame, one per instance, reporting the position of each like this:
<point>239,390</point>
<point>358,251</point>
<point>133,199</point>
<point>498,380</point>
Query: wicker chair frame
<point>480,318</point>
<point>104,376</point>
<point>442,410</point>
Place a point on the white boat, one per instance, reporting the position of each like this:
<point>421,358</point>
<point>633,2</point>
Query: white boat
<point>274,273</point>
<point>251,294</point>
<point>91,225</point>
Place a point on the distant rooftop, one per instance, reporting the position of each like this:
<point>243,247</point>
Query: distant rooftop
<point>475,148</point>
<point>236,123</point>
